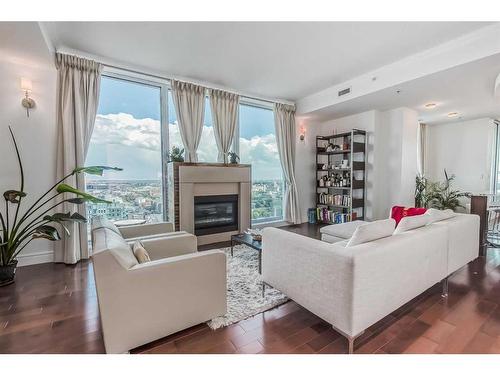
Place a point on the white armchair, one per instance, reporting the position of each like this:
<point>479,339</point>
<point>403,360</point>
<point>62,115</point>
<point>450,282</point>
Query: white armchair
<point>140,303</point>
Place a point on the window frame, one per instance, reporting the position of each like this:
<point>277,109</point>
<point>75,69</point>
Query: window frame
<point>249,102</point>
<point>164,86</point>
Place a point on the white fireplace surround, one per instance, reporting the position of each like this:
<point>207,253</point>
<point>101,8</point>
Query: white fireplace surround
<point>204,180</point>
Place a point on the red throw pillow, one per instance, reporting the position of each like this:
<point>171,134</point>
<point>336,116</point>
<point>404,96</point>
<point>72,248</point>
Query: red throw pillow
<point>399,212</point>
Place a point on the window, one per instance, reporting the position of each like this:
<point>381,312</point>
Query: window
<point>207,149</point>
<point>127,134</point>
<point>257,146</point>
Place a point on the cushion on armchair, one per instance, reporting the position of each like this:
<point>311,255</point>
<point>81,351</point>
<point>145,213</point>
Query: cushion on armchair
<point>140,252</point>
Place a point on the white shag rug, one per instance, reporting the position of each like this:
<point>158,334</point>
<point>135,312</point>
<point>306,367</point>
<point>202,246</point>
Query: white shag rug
<point>244,288</point>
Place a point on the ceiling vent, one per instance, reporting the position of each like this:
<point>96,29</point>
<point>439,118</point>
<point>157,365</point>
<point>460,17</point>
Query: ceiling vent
<point>344,91</point>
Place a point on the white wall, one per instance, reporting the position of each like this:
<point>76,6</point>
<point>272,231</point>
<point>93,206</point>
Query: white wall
<point>391,158</point>
<point>465,149</point>
<point>36,137</point>
<point>305,165</point>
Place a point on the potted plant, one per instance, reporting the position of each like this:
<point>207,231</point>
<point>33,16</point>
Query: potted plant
<point>441,196</point>
<point>36,222</point>
<point>233,157</point>
<point>176,154</point>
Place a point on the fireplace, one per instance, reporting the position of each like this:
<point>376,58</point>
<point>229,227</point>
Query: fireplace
<point>215,214</point>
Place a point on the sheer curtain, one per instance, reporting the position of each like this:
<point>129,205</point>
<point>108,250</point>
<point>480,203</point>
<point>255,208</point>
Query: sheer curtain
<point>284,122</point>
<point>189,103</point>
<point>224,107</point>
<point>78,85</point>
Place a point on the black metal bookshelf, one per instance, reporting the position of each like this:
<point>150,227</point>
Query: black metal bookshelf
<point>341,164</point>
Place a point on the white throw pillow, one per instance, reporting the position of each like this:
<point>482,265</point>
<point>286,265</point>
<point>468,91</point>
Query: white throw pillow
<point>372,231</point>
<point>411,222</point>
<point>438,215</point>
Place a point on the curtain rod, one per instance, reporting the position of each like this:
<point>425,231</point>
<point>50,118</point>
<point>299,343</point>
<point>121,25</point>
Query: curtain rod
<point>206,86</point>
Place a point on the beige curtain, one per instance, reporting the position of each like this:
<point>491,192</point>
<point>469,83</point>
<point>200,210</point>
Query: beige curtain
<point>284,122</point>
<point>224,107</point>
<point>421,149</point>
<point>189,102</point>
<point>77,100</point>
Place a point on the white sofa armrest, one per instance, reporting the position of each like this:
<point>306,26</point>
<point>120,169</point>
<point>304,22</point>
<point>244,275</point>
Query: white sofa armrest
<point>170,245</point>
<point>142,230</point>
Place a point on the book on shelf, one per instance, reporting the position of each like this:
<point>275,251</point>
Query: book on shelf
<point>334,199</point>
<point>325,215</point>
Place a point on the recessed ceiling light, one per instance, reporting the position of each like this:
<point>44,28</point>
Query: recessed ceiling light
<point>430,105</point>
<point>453,114</point>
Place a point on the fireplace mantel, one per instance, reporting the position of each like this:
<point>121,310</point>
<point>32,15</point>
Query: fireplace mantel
<point>191,180</point>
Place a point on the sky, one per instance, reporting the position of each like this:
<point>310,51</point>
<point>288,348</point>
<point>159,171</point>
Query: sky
<point>127,134</point>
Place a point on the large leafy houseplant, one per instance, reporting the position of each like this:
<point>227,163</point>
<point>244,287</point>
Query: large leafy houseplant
<point>440,195</point>
<point>36,222</point>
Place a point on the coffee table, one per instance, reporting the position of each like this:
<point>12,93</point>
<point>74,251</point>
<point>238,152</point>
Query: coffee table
<point>246,239</point>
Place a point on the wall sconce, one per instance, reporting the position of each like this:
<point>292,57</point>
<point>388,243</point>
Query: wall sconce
<point>302,133</point>
<point>27,102</point>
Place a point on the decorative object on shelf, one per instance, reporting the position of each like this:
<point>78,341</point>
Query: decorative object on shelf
<point>332,147</point>
<point>255,233</point>
<point>176,154</point>
<point>324,167</point>
<point>233,157</point>
<point>440,195</point>
<point>27,102</point>
<point>18,230</point>
<point>345,164</point>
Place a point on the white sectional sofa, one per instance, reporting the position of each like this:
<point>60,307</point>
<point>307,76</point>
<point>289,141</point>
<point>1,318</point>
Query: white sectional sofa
<point>353,287</point>
<point>140,303</point>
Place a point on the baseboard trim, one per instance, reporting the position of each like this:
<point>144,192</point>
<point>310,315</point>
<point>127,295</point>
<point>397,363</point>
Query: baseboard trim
<point>35,258</point>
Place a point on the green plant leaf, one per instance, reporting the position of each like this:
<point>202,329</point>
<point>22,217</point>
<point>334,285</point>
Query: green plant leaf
<point>76,200</point>
<point>46,232</point>
<point>77,217</point>
<point>64,188</point>
<point>95,169</point>
<point>59,217</point>
<point>13,195</point>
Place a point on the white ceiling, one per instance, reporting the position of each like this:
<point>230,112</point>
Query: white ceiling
<point>23,43</point>
<point>287,60</point>
<point>467,89</point>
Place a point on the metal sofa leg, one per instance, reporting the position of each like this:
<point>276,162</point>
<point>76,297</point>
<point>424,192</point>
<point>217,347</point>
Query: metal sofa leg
<point>444,293</point>
<point>263,289</point>
<point>350,339</point>
<point>351,344</point>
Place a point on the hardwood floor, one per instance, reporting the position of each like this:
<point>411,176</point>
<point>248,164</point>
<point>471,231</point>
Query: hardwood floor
<point>52,308</point>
